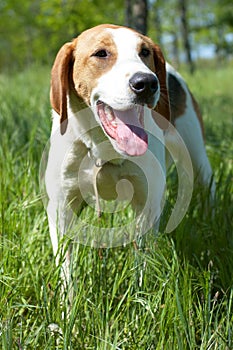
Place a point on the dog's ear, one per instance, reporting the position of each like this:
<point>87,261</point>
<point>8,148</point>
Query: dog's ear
<point>60,83</point>
<point>163,105</point>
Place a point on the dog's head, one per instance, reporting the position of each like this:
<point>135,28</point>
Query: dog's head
<point>116,71</point>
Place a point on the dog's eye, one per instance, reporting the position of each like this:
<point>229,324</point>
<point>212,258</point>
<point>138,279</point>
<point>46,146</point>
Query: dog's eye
<point>101,54</point>
<point>144,52</point>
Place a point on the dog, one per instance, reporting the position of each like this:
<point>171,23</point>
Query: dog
<point>121,80</point>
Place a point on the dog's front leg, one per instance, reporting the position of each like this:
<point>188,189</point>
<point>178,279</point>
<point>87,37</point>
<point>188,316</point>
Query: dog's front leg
<point>60,221</point>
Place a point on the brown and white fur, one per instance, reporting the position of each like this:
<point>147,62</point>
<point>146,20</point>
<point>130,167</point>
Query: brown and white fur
<point>115,71</point>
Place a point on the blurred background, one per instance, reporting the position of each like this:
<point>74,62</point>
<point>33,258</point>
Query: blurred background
<point>188,31</point>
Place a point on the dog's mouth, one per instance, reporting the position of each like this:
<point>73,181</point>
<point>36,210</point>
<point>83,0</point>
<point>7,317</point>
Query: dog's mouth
<point>125,127</point>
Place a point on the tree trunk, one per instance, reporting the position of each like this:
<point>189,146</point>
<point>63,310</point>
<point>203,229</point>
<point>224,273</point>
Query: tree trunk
<point>185,34</point>
<point>158,26</point>
<point>128,13</point>
<point>136,13</point>
<point>175,50</point>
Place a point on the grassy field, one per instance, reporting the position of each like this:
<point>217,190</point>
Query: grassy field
<point>185,298</point>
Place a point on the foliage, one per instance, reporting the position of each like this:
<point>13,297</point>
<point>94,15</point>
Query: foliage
<point>209,23</point>
<point>33,31</point>
<point>183,301</point>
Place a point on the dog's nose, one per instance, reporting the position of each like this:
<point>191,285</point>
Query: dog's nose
<point>143,84</point>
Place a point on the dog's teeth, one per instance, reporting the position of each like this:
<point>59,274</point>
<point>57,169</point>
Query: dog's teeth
<point>109,113</point>
<point>110,117</point>
<point>107,109</point>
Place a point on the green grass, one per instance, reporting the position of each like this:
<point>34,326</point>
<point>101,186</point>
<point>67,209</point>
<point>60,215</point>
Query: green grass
<point>184,299</point>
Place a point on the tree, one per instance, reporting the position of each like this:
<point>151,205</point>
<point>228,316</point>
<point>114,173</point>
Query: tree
<point>224,21</point>
<point>128,13</point>
<point>185,33</point>
<point>136,14</point>
<point>33,30</point>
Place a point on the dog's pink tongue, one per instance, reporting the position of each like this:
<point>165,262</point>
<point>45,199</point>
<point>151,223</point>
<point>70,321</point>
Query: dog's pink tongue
<point>130,135</point>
